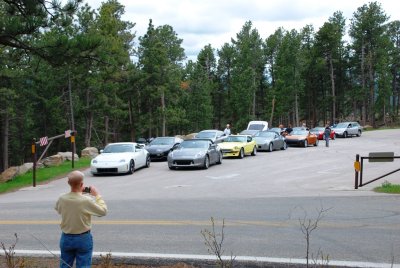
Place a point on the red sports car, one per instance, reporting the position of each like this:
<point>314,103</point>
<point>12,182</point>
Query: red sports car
<point>319,131</point>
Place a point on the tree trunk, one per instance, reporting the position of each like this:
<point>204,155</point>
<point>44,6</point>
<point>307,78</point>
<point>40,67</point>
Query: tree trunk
<point>71,106</point>
<point>106,122</point>
<point>371,91</point>
<point>89,120</point>
<point>253,112</point>
<point>272,110</point>
<point>296,106</point>
<point>131,120</point>
<point>89,127</point>
<point>333,115</point>
<point>364,108</point>
<point>163,113</point>
<point>6,128</point>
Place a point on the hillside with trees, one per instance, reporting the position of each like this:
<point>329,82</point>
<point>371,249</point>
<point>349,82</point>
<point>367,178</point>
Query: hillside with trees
<point>73,67</point>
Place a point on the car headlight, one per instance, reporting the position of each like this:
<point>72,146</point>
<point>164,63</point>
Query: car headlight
<point>199,155</point>
<point>236,147</point>
<point>122,161</point>
<point>94,161</point>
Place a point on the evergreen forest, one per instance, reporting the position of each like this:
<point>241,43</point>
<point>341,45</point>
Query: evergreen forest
<point>70,66</point>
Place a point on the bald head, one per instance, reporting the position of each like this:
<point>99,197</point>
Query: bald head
<point>75,179</point>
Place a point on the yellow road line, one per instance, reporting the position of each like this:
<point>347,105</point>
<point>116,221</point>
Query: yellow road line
<point>237,223</point>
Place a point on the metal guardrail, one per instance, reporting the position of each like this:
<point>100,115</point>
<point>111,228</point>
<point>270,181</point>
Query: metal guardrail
<point>373,157</point>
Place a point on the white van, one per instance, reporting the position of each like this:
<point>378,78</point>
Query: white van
<point>257,125</point>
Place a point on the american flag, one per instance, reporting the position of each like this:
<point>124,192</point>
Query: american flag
<point>43,141</point>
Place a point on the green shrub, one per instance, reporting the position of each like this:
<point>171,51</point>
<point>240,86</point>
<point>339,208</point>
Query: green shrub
<point>388,188</point>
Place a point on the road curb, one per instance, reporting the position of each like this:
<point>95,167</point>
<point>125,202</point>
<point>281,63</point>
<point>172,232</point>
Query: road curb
<point>207,261</point>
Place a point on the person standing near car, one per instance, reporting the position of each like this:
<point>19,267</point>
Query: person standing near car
<point>327,135</point>
<point>76,210</point>
<point>227,130</point>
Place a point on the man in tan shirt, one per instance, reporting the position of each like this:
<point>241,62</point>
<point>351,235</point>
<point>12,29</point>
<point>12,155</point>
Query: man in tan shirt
<point>76,210</point>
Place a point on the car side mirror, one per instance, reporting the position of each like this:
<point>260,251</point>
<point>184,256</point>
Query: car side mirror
<point>176,146</point>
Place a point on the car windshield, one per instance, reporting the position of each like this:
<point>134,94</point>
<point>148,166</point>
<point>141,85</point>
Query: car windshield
<point>317,129</point>
<point>265,134</point>
<point>119,148</point>
<point>256,127</point>
<point>276,129</point>
<point>236,139</point>
<point>162,141</point>
<point>195,144</point>
<point>342,125</point>
<point>205,135</point>
<point>299,132</point>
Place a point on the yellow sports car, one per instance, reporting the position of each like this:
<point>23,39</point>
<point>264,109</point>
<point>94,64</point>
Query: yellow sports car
<point>238,146</point>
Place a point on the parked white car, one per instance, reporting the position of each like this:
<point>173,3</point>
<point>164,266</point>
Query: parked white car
<point>346,129</point>
<point>120,157</point>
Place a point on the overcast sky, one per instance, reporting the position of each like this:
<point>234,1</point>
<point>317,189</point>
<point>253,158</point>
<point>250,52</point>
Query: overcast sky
<point>215,22</point>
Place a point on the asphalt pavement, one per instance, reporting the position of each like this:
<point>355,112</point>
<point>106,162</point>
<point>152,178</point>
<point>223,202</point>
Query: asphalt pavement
<point>262,199</point>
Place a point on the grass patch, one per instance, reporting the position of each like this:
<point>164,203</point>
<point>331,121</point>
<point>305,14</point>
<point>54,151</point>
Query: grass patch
<point>43,175</point>
<point>388,188</point>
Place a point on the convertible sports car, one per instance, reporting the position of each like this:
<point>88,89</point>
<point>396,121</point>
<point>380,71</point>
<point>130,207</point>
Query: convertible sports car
<point>319,131</point>
<point>160,147</point>
<point>195,153</point>
<point>269,141</point>
<point>301,137</point>
<point>215,135</point>
<point>120,157</point>
<point>238,146</point>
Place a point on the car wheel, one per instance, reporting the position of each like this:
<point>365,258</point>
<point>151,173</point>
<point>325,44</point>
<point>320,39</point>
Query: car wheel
<point>148,160</point>
<point>316,142</point>
<point>270,147</point>
<point>284,146</point>
<point>131,167</point>
<point>305,144</point>
<point>220,156</point>
<point>359,133</point>
<point>345,134</point>
<point>254,152</point>
<point>206,162</point>
<point>241,153</point>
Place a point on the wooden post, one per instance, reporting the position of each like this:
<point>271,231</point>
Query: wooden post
<point>73,148</point>
<point>33,148</point>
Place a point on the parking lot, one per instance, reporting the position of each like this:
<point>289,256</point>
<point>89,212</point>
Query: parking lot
<point>262,197</point>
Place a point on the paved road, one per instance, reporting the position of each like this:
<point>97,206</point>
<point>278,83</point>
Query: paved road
<point>261,198</point>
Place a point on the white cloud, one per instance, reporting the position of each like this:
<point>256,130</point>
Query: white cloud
<point>215,22</point>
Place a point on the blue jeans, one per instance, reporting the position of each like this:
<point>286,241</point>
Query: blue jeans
<point>327,141</point>
<point>76,246</point>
